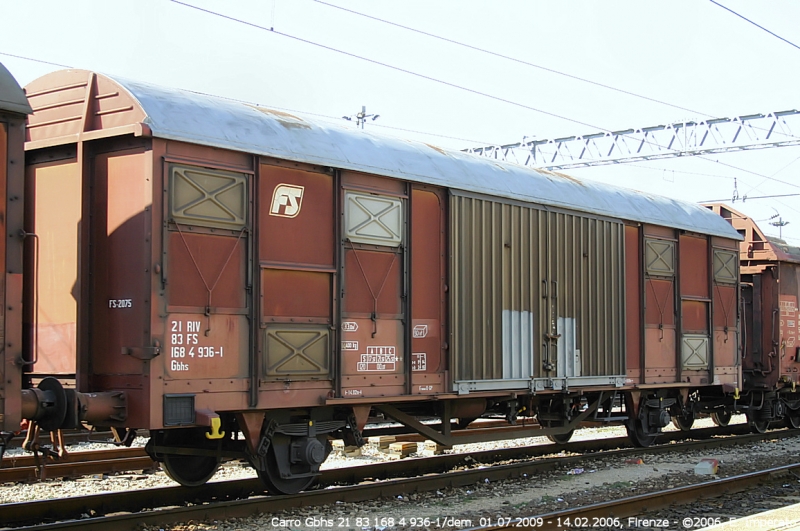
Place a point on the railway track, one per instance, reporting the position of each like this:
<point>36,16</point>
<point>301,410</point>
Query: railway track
<point>25,468</point>
<point>218,501</point>
<point>631,512</point>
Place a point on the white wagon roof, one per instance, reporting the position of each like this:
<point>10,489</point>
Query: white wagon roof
<point>223,123</point>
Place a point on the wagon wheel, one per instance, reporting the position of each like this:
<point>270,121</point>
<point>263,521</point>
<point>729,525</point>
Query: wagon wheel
<point>792,418</point>
<point>721,418</point>
<point>190,470</point>
<point>637,435</point>
<point>562,438</point>
<point>187,470</point>
<point>462,423</point>
<point>275,484</point>
<point>757,425</point>
<point>683,422</point>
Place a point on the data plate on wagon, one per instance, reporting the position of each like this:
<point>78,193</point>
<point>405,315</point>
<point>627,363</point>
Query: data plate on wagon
<point>206,346</point>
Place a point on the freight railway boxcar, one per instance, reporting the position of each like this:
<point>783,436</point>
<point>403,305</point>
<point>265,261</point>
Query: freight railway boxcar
<point>13,110</point>
<point>770,272</point>
<point>230,268</point>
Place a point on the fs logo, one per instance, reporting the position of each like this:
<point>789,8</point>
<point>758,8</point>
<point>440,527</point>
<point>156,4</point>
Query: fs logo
<point>286,201</point>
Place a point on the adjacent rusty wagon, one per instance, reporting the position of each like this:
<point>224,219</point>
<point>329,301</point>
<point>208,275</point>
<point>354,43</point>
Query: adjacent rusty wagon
<point>244,282</point>
<point>770,274</point>
<point>14,109</point>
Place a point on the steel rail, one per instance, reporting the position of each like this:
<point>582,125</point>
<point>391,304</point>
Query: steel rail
<point>17,468</point>
<point>100,464</point>
<point>64,509</point>
<point>82,456</point>
<point>644,503</point>
<point>70,437</point>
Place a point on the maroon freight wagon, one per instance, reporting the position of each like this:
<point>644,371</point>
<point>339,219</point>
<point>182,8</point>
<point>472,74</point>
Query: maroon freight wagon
<point>244,282</point>
<point>770,272</point>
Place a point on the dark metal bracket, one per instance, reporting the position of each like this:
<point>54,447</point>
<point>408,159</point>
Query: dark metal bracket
<point>142,353</point>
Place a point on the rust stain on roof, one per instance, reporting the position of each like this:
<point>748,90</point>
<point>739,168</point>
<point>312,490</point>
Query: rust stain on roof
<point>437,148</point>
<point>563,176</point>
<point>287,120</point>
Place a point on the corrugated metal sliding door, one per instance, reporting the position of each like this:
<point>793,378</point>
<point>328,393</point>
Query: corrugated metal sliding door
<point>497,267</point>
<point>584,301</point>
<point>373,347</point>
<point>535,294</point>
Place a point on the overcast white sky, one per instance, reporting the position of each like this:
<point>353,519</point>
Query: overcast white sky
<point>688,53</point>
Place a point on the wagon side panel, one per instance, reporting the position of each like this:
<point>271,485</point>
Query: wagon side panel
<point>788,320</point>
<point>660,325</point>
<point>204,282</point>
<point>374,286</point>
<point>725,304</point>
<point>428,298</point>
<point>297,270</point>
<point>695,348</point>
<point>634,307</point>
<point>53,209</point>
<point>119,328</point>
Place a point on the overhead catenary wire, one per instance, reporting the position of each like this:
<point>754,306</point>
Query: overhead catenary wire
<point>787,206</point>
<point>527,63</point>
<point>34,60</point>
<point>767,177</point>
<point>746,198</point>
<point>774,174</point>
<point>684,172</point>
<point>754,24</point>
<point>514,59</point>
<point>392,67</point>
